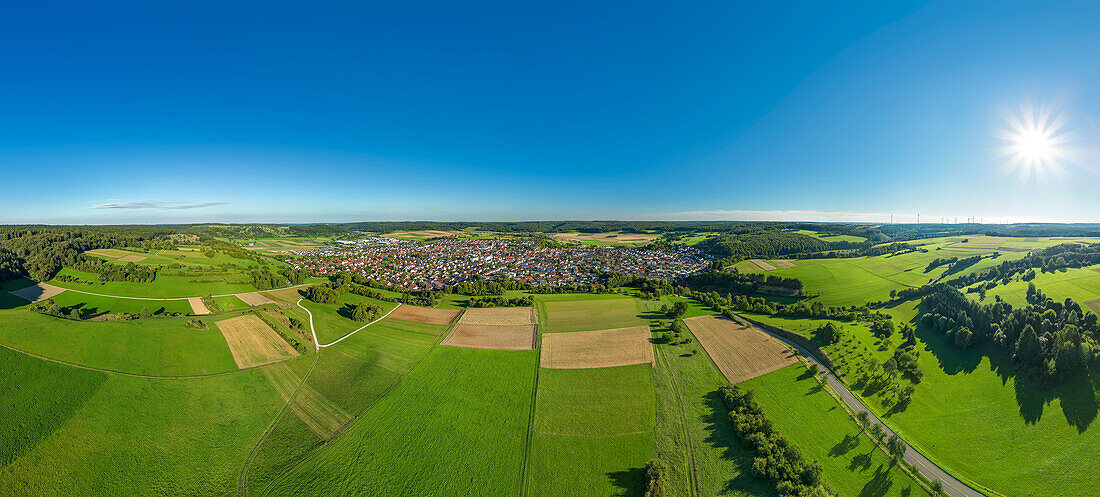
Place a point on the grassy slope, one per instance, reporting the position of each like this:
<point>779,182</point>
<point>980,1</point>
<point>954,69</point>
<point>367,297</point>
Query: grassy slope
<point>158,346</point>
<point>135,436</point>
<point>456,425</point>
<point>163,287</point>
<point>352,374</point>
<point>593,431</point>
<point>93,304</point>
<point>330,325</point>
<point>806,414</point>
<point>971,414</point>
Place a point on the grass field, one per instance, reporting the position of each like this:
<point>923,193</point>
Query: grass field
<point>108,434</point>
<point>95,305</point>
<point>156,346</point>
<point>590,314</point>
<point>974,416</point>
<point>330,324</point>
<point>456,425</point>
<point>1079,284</point>
<point>165,286</point>
<point>593,431</point>
<point>352,375</point>
<point>832,238</point>
<point>811,418</point>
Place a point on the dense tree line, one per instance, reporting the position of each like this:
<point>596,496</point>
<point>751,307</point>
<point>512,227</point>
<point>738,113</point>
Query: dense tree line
<point>777,459</point>
<point>362,312</point>
<point>526,301</point>
<point>1048,341</point>
<point>264,279</point>
<point>735,282</point>
<point>107,271</point>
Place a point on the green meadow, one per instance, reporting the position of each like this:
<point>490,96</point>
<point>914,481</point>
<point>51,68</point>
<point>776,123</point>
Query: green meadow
<point>588,314</point>
<point>154,346</point>
<point>593,431</point>
<point>456,425</point>
<point>89,433</point>
<point>331,322</point>
<point>92,305</point>
<point>809,416</point>
<point>353,375</point>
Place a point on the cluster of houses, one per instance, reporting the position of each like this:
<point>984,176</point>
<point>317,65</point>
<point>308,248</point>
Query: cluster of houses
<point>416,265</point>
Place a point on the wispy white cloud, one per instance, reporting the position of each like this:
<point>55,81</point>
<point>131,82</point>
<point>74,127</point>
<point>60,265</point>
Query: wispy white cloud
<point>781,215</point>
<point>155,204</point>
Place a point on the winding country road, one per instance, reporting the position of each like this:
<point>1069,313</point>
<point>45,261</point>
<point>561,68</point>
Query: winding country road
<point>951,485</point>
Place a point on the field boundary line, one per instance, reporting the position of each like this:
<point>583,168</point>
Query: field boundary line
<point>338,340</point>
<point>139,375</point>
<point>524,489</point>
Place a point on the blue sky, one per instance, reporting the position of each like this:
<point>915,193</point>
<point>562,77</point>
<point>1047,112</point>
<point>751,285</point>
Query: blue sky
<point>289,112</point>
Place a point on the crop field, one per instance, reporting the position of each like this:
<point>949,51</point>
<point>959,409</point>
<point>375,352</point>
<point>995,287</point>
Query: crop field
<point>457,425</point>
<point>593,431</point>
<point>156,346</point>
<point>740,352</point>
<point>484,336</point>
<point>591,314</point>
<point>254,298</point>
<point>804,412</point>
<point>112,434</point>
<point>93,305</point>
<point>499,316</point>
<point>597,349</point>
<point>198,307</point>
<point>38,292</point>
<point>331,321</point>
<point>252,342</point>
<point>613,238</point>
<point>425,315</point>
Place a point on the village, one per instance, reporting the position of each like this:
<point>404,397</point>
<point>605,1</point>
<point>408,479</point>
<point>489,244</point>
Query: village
<point>414,265</point>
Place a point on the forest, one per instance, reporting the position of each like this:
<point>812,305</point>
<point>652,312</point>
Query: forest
<point>1047,341</point>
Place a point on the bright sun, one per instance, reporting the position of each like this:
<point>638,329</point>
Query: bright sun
<point>1035,139</point>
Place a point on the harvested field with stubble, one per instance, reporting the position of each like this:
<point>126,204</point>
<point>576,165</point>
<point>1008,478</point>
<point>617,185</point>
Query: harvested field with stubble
<point>762,265</point>
<point>198,308</point>
<point>284,296</point>
<point>741,352</point>
<point>424,314</point>
<point>321,415</point>
<point>597,349</point>
<point>254,298</point>
<point>784,264</point>
<point>38,292</point>
<point>482,336</point>
<point>133,258</point>
<point>252,342</point>
<point>499,316</point>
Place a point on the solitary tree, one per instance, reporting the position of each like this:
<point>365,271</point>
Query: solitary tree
<point>863,418</point>
<point>896,446</point>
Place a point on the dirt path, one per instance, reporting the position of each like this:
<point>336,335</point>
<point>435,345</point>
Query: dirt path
<point>338,340</point>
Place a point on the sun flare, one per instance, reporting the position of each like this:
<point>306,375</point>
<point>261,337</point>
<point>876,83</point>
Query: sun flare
<point>1035,139</point>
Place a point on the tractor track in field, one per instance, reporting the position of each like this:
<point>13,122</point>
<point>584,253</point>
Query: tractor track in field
<point>689,445</point>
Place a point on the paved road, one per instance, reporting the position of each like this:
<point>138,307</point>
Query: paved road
<point>930,470</point>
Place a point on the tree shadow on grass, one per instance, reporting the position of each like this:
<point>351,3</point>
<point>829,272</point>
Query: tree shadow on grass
<point>720,434</point>
<point>1077,396</point>
<point>861,462</point>
<point>845,446</point>
<point>879,485</point>
<point>631,481</point>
